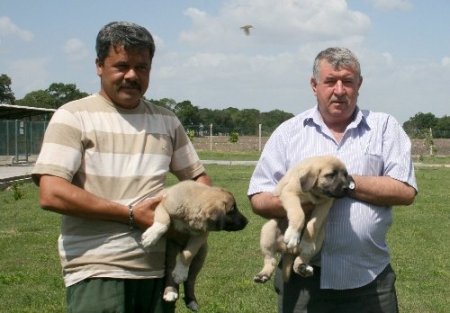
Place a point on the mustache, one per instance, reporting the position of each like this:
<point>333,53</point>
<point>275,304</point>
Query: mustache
<point>131,85</point>
<point>339,99</point>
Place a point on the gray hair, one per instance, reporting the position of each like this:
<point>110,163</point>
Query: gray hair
<point>130,35</point>
<point>338,58</point>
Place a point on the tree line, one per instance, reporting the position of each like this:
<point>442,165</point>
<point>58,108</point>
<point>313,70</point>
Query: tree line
<point>225,121</point>
<point>427,125</point>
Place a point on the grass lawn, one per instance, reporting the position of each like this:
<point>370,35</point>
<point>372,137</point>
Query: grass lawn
<point>232,156</point>
<point>430,159</point>
<point>30,274</point>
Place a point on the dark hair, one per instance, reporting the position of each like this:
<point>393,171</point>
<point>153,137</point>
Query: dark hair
<point>128,34</point>
<point>338,58</point>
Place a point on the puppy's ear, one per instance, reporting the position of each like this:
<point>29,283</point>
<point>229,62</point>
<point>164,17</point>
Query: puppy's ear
<point>308,179</point>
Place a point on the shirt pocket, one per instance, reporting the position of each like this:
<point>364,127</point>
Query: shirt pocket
<point>372,164</point>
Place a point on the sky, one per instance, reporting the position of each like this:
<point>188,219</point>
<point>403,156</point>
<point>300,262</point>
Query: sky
<point>202,54</point>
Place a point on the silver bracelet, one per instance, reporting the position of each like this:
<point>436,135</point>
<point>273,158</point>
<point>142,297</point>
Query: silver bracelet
<point>131,217</point>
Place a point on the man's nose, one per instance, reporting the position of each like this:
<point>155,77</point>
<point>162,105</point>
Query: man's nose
<point>339,88</point>
<point>130,74</point>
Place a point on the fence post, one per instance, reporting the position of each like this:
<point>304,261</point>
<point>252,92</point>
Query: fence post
<point>431,141</point>
<point>16,143</point>
<point>259,137</point>
<point>210,136</point>
<point>7,137</point>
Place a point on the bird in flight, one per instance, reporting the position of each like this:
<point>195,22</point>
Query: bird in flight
<point>246,29</point>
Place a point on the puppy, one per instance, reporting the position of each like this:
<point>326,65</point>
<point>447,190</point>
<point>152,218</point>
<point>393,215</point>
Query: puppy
<point>317,180</point>
<point>191,210</point>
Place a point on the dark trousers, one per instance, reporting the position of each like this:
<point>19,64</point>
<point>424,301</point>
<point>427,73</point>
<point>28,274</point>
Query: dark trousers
<point>118,296</point>
<point>303,295</point>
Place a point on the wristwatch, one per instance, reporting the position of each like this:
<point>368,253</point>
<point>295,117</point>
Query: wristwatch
<point>351,184</point>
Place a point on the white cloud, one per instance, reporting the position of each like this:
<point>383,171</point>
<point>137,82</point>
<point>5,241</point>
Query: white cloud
<point>388,57</point>
<point>75,49</point>
<point>275,22</point>
<point>270,68</point>
<point>403,87</point>
<point>29,75</point>
<point>402,5</point>
<point>9,29</point>
<point>445,61</point>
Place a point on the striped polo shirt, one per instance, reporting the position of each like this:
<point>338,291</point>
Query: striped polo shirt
<point>374,144</point>
<point>120,155</point>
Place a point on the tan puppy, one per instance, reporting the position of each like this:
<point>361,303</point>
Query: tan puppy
<point>191,210</point>
<point>317,180</point>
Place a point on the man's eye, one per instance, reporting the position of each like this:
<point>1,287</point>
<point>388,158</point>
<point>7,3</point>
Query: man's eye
<point>122,67</point>
<point>142,68</point>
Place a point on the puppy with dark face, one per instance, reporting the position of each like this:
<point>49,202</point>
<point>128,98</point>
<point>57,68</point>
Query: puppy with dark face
<point>316,180</point>
<point>190,210</point>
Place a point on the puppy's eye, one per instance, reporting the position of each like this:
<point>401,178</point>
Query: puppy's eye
<point>331,174</point>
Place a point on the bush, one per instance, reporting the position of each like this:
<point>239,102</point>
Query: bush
<point>234,137</point>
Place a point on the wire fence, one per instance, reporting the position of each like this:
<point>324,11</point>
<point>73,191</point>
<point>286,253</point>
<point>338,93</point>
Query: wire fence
<point>20,139</point>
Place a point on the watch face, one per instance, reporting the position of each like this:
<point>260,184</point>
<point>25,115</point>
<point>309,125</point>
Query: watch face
<point>351,185</point>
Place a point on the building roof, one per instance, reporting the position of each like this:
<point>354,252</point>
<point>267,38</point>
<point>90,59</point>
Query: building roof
<point>12,112</point>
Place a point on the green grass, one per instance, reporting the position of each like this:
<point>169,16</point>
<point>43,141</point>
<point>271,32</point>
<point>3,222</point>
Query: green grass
<point>431,159</point>
<point>30,274</point>
<point>419,241</point>
<point>232,156</point>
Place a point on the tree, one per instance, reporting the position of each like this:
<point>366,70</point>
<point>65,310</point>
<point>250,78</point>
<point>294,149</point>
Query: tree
<point>6,94</point>
<point>272,119</point>
<point>419,125</point>
<point>63,93</point>
<point>187,113</point>
<point>442,128</point>
<point>38,98</point>
<point>246,121</point>
<point>53,97</point>
<point>224,120</point>
<point>165,103</point>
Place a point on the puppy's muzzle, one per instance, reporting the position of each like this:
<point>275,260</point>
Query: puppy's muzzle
<point>232,221</point>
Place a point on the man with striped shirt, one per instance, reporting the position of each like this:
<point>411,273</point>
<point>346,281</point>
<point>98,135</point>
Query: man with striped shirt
<point>352,272</point>
<point>101,155</point>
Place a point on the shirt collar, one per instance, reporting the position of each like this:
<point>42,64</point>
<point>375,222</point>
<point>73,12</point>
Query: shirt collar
<point>313,117</point>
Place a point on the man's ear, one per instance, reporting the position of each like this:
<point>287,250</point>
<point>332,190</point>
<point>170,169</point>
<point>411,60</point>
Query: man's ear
<point>313,84</point>
<point>360,81</point>
<point>98,66</point>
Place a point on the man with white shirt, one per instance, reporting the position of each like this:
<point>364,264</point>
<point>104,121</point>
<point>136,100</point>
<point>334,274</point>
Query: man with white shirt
<point>352,272</point>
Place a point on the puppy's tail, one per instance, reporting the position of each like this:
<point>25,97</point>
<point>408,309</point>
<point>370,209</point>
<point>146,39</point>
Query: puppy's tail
<point>286,266</point>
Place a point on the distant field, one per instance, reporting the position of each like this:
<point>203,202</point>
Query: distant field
<point>420,147</point>
<point>30,278</point>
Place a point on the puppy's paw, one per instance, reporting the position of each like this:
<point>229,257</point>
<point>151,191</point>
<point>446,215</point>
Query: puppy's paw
<point>180,272</point>
<point>153,234</point>
<point>170,296</point>
<point>304,270</point>
<point>261,278</point>
<point>291,238</point>
<point>307,249</point>
<point>193,305</point>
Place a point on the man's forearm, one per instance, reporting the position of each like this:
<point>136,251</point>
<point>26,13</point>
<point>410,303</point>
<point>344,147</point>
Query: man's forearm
<point>382,190</point>
<point>267,205</point>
